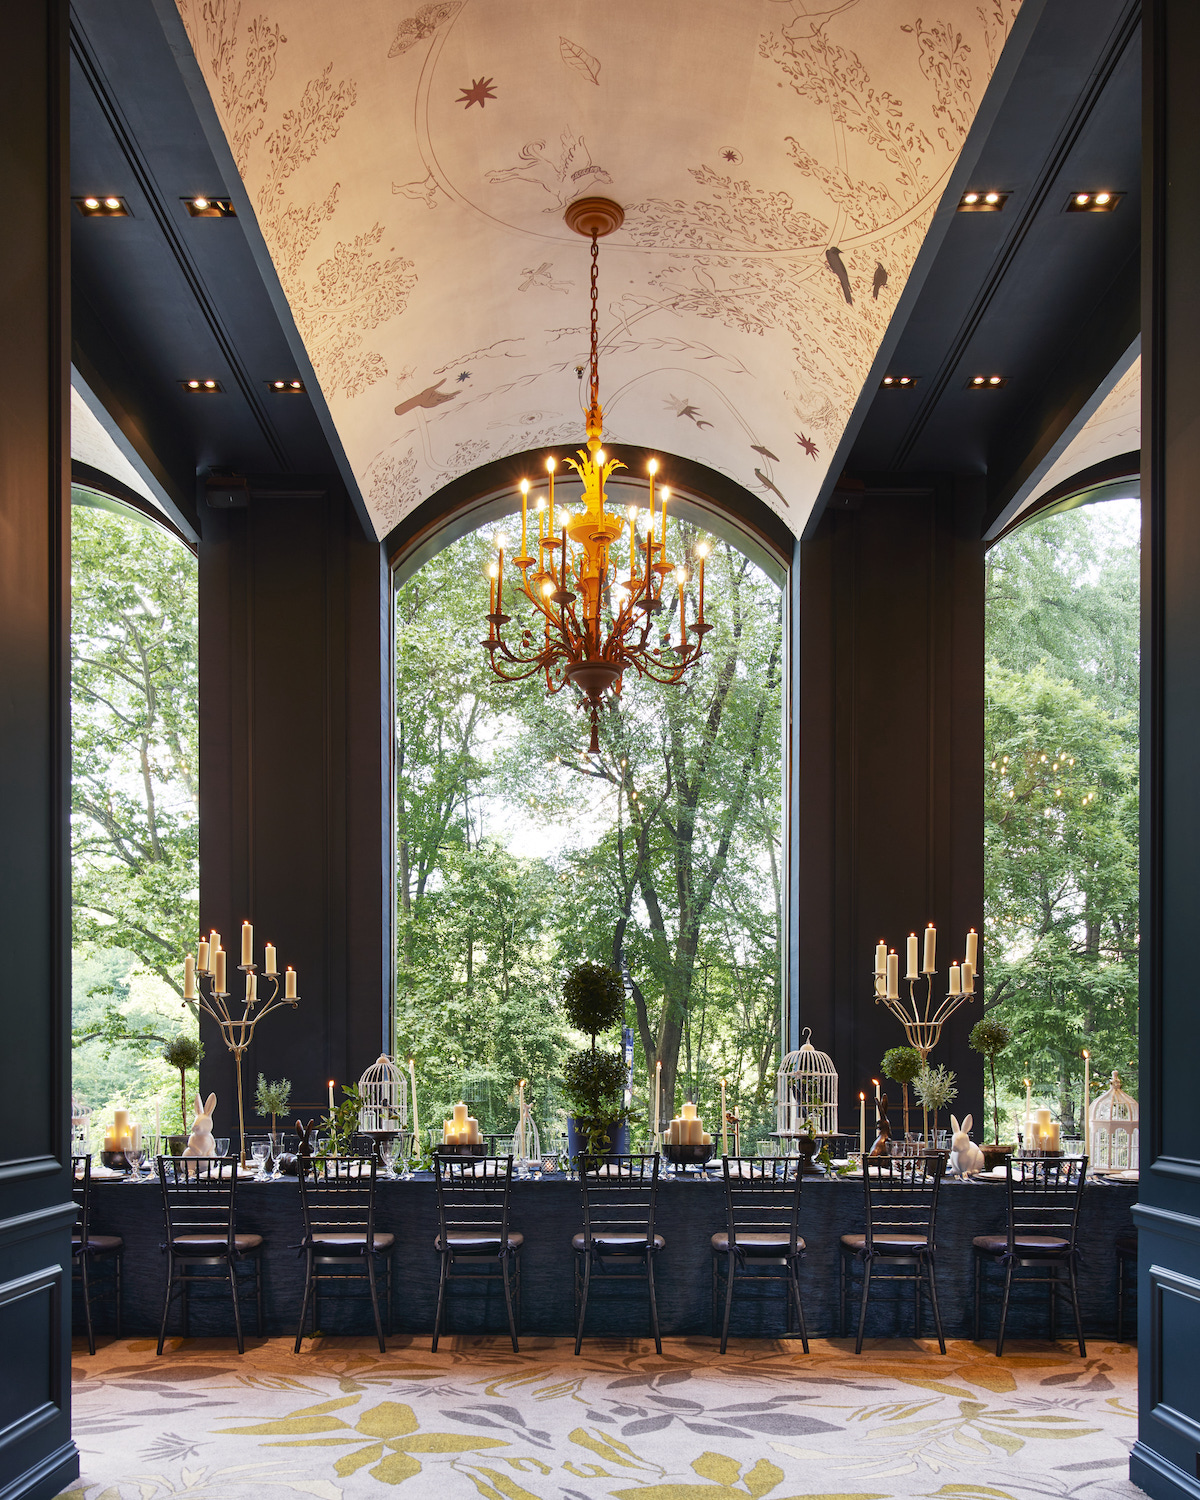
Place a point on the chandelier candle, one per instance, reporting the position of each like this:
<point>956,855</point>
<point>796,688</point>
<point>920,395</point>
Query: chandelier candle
<point>596,624</point>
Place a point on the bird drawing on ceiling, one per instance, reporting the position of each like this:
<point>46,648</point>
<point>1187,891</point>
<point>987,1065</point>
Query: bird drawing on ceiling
<point>426,190</point>
<point>480,92</point>
<point>763,480</point>
<point>431,396</point>
<point>833,259</point>
<point>766,452</point>
<point>880,281</point>
<point>686,409</point>
<point>808,445</point>
<point>542,277</point>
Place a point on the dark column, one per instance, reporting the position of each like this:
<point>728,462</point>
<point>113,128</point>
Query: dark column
<point>890,778</point>
<point>37,1456</point>
<point>1167,1454</point>
<point>294,822</point>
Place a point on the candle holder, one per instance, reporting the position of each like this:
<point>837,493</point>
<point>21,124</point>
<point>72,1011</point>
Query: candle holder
<point>921,1019</point>
<point>682,1157</point>
<point>237,1032</point>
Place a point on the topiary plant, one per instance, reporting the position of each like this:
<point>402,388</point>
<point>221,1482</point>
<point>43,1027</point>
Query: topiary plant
<point>935,1089</point>
<point>990,1037</point>
<point>183,1052</point>
<point>594,1079</point>
<point>901,1065</point>
<point>272,1098</point>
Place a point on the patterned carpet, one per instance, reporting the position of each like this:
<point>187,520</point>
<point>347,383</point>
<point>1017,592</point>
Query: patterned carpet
<point>764,1423</point>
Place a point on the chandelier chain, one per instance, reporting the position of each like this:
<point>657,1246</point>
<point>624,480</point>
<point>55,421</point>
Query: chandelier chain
<point>594,382</point>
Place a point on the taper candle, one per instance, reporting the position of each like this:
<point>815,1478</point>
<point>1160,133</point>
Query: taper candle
<point>524,511</point>
<point>412,1078</point>
<point>657,1127</point>
<point>1028,1111</point>
<point>1087,1112</point>
<point>875,1081</point>
<point>550,467</point>
<point>862,1124</point>
<point>724,1121</point>
<point>929,966</point>
<point>331,1096</point>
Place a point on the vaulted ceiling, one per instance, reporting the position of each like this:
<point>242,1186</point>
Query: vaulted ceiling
<point>779,162</point>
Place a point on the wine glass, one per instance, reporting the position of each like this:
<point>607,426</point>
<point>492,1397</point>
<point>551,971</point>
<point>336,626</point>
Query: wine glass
<point>136,1158</point>
<point>221,1145</point>
<point>260,1149</point>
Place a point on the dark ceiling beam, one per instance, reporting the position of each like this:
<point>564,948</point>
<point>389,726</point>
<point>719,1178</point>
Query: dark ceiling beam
<point>1102,346</point>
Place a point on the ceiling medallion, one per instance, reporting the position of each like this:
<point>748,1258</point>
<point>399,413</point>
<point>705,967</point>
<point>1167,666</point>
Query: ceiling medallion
<point>594,623</point>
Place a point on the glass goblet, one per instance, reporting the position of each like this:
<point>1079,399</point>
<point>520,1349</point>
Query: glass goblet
<point>221,1145</point>
<point>136,1158</point>
<point>259,1151</point>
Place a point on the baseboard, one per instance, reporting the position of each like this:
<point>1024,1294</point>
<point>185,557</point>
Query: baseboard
<point>46,1479</point>
<point>1159,1477</point>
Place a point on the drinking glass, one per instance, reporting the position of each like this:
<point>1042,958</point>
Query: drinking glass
<point>387,1155</point>
<point>221,1145</point>
<point>260,1149</point>
<point>136,1157</point>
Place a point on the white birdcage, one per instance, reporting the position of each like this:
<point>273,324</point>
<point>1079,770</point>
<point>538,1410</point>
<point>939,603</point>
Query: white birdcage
<point>383,1090</point>
<point>806,1086</point>
<point>1113,1129</point>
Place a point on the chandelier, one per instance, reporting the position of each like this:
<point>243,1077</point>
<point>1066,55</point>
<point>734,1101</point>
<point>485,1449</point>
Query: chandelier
<point>593,622</point>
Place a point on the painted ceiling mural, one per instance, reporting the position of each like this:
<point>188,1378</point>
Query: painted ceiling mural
<point>1115,427</point>
<point>778,161</point>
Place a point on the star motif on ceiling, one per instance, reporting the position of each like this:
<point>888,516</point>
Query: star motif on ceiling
<point>731,154</point>
<point>464,375</point>
<point>480,91</point>
<point>808,445</point>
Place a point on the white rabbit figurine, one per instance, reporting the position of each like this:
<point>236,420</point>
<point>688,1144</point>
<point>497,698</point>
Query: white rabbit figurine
<point>200,1142</point>
<point>965,1156</point>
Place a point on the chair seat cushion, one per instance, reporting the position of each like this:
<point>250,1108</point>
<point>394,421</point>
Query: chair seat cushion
<point>888,1244</point>
<point>211,1244</point>
<point>462,1243</point>
<point>1127,1244</point>
<point>98,1244</point>
<point>755,1244</point>
<point>615,1244</point>
<point>332,1243</point>
<point>1025,1244</point>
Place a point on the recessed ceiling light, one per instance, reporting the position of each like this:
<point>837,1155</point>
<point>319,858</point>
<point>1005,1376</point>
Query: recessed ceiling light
<point>206,207</point>
<point>286,387</point>
<point>986,382</point>
<point>982,201</point>
<point>102,206</point>
<point>899,382</point>
<point>202,387</point>
<point>1102,202</point>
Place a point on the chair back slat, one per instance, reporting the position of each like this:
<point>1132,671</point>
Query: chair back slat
<point>337,1196</point>
<point>199,1196</point>
<point>81,1192</point>
<point>901,1194</point>
<point>620,1195</point>
<point>762,1196</point>
<point>1044,1197</point>
<point>473,1195</point>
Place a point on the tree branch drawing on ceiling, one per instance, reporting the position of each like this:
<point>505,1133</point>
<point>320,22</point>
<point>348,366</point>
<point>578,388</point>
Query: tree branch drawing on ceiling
<point>355,288</point>
<point>566,177</point>
<point>734,216</point>
<point>421,27</point>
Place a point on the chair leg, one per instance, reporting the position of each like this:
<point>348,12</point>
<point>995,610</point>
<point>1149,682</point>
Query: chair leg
<point>862,1307</point>
<point>582,1300</point>
<point>1120,1299</point>
<point>1075,1308</point>
<point>917,1304</point>
<point>118,1274</point>
<point>712,1301</point>
<point>162,1331</point>
<point>308,1286</point>
<point>842,1293</point>
<point>978,1264</point>
<point>508,1303</point>
<point>653,1302</point>
<point>375,1302</point>
<point>1052,1283</point>
<point>183,1298</point>
<point>231,1267</point>
<point>794,1282</point>
<point>441,1298</point>
<point>1008,1271</point>
<point>388,1289</point>
<point>258,1300</point>
<point>937,1316</point>
<point>729,1275</point>
<point>86,1289</point>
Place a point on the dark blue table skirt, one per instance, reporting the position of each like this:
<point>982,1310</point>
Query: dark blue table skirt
<point>547,1212</point>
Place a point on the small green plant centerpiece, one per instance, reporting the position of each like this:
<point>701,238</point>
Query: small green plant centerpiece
<point>272,1099</point>
<point>339,1127</point>
<point>901,1065</point>
<point>594,1077</point>
<point>183,1052</point>
<point>991,1036</point>
<point>935,1088</point>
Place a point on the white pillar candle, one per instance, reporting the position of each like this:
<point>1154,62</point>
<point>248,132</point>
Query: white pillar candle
<point>251,991</point>
<point>911,971</point>
<point>968,977</point>
<point>930,966</point>
<point>460,1114</point>
<point>955,979</point>
<point>289,984</point>
<point>247,943</point>
<point>214,940</point>
<point>689,1110</point>
<point>189,978</point>
<point>880,956</point>
<point>202,955</point>
<point>973,948</point>
<point>219,972</point>
<point>893,976</point>
<point>472,1131</point>
<point>269,963</point>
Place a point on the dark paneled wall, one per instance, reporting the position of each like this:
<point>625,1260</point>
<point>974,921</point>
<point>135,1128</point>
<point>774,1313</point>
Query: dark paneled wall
<point>37,1456</point>
<point>890,817</point>
<point>1166,1459</point>
<point>294,798</point>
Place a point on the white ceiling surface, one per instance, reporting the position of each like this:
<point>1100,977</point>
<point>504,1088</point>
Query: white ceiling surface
<point>92,445</point>
<point>773,157</point>
<point>1115,427</point>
